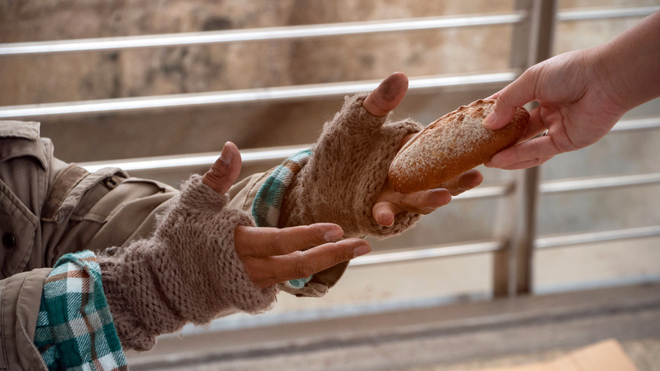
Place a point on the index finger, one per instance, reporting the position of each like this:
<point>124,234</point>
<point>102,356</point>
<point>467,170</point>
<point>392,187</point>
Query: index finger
<point>263,242</point>
<point>276,269</point>
<point>517,94</point>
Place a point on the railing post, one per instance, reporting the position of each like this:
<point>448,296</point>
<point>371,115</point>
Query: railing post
<point>512,271</point>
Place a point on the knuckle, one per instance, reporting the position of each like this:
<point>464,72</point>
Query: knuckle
<point>303,269</point>
<point>278,244</point>
<point>311,235</point>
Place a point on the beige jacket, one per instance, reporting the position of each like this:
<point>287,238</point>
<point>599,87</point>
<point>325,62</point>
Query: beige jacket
<point>49,208</point>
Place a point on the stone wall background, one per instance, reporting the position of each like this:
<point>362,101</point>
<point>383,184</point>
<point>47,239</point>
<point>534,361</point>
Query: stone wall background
<point>202,68</point>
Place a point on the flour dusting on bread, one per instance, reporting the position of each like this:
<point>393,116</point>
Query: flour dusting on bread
<point>452,145</point>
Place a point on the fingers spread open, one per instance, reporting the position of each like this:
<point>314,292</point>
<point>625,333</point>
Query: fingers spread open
<point>302,264</point>
<point>387,95</point>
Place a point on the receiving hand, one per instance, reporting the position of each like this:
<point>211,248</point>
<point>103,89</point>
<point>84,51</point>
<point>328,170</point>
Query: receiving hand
<point>380,102</point>
<point>272,255</point>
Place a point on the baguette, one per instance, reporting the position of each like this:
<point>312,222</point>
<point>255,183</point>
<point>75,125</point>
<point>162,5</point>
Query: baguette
<point>452,145</point>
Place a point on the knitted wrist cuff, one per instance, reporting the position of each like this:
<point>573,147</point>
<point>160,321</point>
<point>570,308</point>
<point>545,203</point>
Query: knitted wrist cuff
<point>347,170</point>
<point>187,272</point>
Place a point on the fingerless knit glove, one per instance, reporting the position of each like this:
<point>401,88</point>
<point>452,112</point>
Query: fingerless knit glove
<point>188,271</point>
<point>346,172</point>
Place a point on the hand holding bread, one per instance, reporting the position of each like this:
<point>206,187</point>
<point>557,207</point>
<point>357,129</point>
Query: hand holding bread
<point>389,202</point>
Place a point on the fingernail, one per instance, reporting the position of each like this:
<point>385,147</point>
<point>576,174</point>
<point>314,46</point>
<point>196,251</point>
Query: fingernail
<point>389,90</point>
<point>383,215</point>
<point>226,156</point>
<point>490,119</point>
<point>361,250</point>
<point>333,235</point>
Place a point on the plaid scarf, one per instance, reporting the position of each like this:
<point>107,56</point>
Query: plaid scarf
<point>75,330</point>
<point>268,201</point>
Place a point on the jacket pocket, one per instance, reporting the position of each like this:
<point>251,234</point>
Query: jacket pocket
<point>17,229</point>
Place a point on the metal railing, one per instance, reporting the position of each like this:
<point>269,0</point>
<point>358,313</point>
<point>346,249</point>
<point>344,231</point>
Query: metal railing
<point>534,20</point>
<point>260,34</point>
<point>301,32</point>
<point>289,93</point>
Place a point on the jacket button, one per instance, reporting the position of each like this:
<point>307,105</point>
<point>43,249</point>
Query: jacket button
<point>8,240</point>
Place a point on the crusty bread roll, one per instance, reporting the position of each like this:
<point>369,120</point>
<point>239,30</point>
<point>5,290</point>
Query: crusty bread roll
<point>452,145</point>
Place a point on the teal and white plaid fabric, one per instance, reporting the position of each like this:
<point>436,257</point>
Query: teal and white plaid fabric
<point>75,330</point>
<point>268,202</point>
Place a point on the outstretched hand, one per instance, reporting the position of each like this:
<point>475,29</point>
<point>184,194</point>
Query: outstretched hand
<point>380,102</point>
<point>576,107</point>
<point>274,255</point>
<point>581,95</point>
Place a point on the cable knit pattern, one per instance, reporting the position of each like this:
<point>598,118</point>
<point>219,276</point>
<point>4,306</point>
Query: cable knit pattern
<point>346,172</point>
<point>188,271</point>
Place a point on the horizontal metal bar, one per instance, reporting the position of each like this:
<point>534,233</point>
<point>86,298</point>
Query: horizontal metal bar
<point>427,253</point>
<point>307,31</point>
<point>636,124</point>
<point>249,156</point>
<point>259,34</point>
<point>248,95</point>
<point>486,192</point>
<point>598,183</point>
<point>592,237</point>
<point>606,13</point>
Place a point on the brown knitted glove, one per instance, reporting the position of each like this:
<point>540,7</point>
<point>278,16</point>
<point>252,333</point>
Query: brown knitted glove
<point>188,271</point>
<point>346,172</point>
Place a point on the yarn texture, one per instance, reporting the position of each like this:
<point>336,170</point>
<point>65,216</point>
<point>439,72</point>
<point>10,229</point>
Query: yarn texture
<point>188,271</point>
<point>346,172</point>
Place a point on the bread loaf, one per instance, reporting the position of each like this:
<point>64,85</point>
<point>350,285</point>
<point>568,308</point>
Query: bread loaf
<point>452,145</point>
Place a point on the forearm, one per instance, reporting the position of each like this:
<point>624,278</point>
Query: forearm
<point>629,65</point>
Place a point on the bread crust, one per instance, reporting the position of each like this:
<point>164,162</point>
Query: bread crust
<point>452,145</point>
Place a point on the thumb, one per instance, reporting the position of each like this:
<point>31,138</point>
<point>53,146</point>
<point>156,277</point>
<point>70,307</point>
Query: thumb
<point>516,94</point>
<point>387,95</point>
<point>224,172</point>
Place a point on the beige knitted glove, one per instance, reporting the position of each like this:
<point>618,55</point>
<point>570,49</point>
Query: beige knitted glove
<point>346,172</point>
<point>188,271</point>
